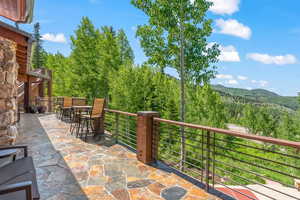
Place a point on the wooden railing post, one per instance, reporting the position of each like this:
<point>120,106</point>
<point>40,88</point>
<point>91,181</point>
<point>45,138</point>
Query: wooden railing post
<point>145,134</point>
<point>27,95</point>
<point>117,126</point>
<point>50,91</point>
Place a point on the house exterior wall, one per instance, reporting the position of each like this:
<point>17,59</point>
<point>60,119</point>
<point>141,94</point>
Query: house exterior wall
<point>8,92</point>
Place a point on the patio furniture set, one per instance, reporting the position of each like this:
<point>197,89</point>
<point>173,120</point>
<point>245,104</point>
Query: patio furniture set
<point>20,183</point>
<point>84,119</point>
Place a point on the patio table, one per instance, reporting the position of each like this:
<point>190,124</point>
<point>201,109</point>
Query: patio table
<point>98,124</point>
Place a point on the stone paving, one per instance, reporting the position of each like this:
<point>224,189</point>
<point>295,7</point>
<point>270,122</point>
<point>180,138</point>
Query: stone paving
<point>69,168</point>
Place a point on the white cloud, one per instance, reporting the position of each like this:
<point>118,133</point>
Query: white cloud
<point>243,78</point>
<point>229,54</point>
<point>233,27</point>
<point>60,37</point>
<point>249,88</point>
<point>224,76</point>
<point>224,6</point>
<point>277,60</point>
<point>263,83</point>
<point>232,82</point>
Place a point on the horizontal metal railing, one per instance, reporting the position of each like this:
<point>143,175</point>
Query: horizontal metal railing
<point>220,158</point>
<point>122,125</point>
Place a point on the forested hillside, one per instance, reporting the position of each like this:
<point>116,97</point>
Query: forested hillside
<point>259,96</point>
<point>101,64</point>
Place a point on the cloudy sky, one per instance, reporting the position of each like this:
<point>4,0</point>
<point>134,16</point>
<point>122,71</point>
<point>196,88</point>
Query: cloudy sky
<point>259,39</point>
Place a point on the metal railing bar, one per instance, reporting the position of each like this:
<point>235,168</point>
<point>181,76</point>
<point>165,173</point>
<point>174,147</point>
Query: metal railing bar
<point>251,172</point>
<point>171,156</point>
<point>131,132</point>
<point>122,136</point>
<point>124,141</point>
<point>257,148</point>
<point>124,120</point>
<point>245,145</point>
<point>168,144</point>
<point>233,133</point>
<point>257,157</point>
<point>258,166</point>
<point>187,161</point>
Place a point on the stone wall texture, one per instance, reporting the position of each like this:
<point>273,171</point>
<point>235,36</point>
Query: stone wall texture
<point>8,92</point>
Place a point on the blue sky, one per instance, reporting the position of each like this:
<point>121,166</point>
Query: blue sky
<point>259,39</point>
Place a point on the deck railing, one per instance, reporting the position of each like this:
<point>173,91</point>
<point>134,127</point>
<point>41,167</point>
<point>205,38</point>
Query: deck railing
<point>218,158</point>
<point>123,126</point>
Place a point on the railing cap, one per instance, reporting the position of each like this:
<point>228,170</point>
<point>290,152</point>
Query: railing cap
<point>147,113</point>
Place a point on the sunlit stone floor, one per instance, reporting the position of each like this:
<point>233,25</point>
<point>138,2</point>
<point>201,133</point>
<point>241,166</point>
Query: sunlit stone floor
<point>69,168</point>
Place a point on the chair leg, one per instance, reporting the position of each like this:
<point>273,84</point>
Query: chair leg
<point>87,129</point>
<point>73,123</point>
<point>73,126</point>
<point>78,128</point>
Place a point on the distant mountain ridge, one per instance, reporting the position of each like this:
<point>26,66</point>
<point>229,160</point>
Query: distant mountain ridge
<point>259,95</point>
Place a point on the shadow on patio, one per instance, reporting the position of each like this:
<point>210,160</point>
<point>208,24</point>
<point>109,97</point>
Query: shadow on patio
<point>69,168</point>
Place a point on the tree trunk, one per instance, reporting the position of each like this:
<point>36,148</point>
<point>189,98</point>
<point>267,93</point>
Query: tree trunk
<point>182,93</point>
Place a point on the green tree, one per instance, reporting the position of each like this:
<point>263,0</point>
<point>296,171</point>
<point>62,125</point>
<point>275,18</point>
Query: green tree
<point>176,36</point>
<point>126,52</point>
<point>39,54</point>
<point>109,57</point>
<point>62,75</point>
<point>250,118</point>
<point>85,58</point>
<point>268,122</point>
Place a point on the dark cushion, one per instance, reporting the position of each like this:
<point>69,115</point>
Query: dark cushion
<point>16,168</point>
<point>20,195</point>
<point>30,176</point>
<point>19,171</point>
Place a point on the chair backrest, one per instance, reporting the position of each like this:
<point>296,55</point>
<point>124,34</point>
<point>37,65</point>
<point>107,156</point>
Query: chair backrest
<point>98,107</point>
<point>79,101</point>
<point>59,101</point>
<point>67,102</point>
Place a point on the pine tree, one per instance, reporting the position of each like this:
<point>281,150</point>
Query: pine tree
<point>38,57</point>
<point>84,59</point>
<point>126,52</point>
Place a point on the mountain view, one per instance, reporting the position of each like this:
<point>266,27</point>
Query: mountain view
<point>258,96</point>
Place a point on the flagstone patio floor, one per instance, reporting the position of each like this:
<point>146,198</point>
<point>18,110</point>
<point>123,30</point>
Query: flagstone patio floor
<point>71,169</point>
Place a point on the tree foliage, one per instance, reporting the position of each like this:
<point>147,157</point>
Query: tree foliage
<point>38,52</point>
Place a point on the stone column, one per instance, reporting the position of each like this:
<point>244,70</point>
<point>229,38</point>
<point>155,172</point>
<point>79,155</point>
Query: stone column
<point>8,92</point>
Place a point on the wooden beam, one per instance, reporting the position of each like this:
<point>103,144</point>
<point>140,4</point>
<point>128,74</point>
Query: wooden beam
<point>21,51</point>
<point>11,35</point>
<point>27,91</point>
<point>22,57</point>
<point>22,77</point>
<point>50,92</point>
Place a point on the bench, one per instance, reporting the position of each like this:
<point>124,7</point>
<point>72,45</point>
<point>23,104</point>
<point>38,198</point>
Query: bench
<point>18,178</point>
